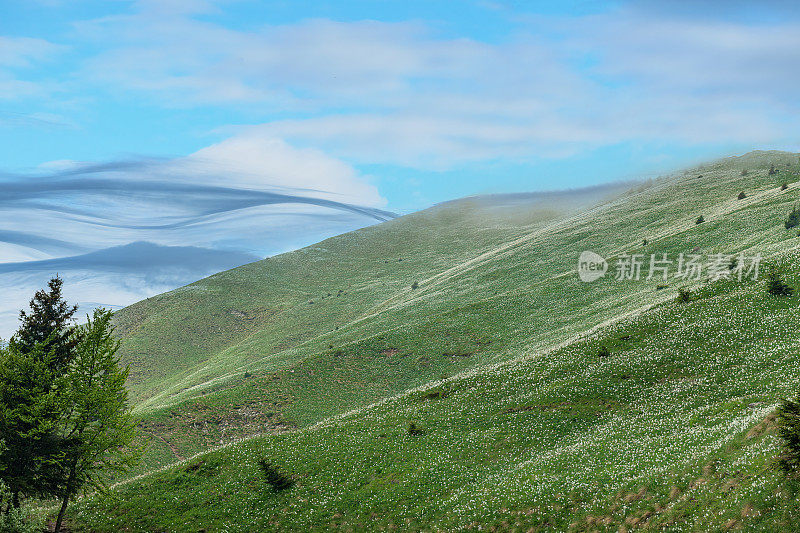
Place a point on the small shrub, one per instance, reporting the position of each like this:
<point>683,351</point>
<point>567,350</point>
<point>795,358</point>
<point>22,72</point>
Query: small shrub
<point>661,286</point>
<point>700,220</point>
<point>776,286</point>
<point>788,420</point>
<point>745,172</point>
<point>415,285</point>
<point>772,170</point>
<point>414,430</point>
<point>603,352</point>
<point>784,186</point>
<point>742,196</point>
<point>794,218</point>
<point>684,295</point>
<point>644,242</point>
<point>274,477</point>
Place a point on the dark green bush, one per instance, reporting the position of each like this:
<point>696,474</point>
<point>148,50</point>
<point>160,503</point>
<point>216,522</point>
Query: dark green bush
<point>794,218</point>
<point>784,186</point>
<point>772,170</point>
<point>700,220</point>
<point>742,195</point>
<point>789,433</point>
<point>603,352</point>
<point>776,286</point>
<point>415,285</point>
<point>414,430</point>
<point>684,295</point>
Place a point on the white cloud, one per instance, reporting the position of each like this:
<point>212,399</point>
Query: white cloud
<point>377,92</point>
<point>257,161</point>
<point>21,53</point>
<point>711,57</point>
<point>24,51</point>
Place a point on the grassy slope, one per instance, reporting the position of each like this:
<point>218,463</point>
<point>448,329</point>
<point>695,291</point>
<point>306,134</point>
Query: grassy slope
<point>666,403</point>
<point>246,351</point>
<point>671,431</point>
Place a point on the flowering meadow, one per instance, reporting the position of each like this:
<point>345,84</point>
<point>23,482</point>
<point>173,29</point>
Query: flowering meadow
<point>501,393</point>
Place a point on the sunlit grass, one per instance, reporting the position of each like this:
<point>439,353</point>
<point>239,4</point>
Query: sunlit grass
<point>523,425</point>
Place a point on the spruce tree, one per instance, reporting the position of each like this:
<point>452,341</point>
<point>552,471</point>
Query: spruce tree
<point>28,417</point>
<point>48,325</point>
<point>30,366</point>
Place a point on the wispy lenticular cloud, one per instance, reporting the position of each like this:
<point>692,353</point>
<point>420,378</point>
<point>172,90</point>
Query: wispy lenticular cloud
<point>142,226</point>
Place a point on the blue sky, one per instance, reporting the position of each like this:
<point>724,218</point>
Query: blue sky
<point>427,100</point>
<point>386,105</point>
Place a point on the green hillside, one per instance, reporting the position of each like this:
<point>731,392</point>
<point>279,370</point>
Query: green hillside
<point>331,353</point>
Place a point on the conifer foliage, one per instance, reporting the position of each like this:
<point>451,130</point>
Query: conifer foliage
<point>37,354</point>
<point>65,423</point>
<point>48,325</point>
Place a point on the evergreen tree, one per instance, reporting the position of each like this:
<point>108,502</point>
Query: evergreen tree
<point>30,453</point>
<point>29,366</point>
<point>97,427</point>
<point>48,325</point>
